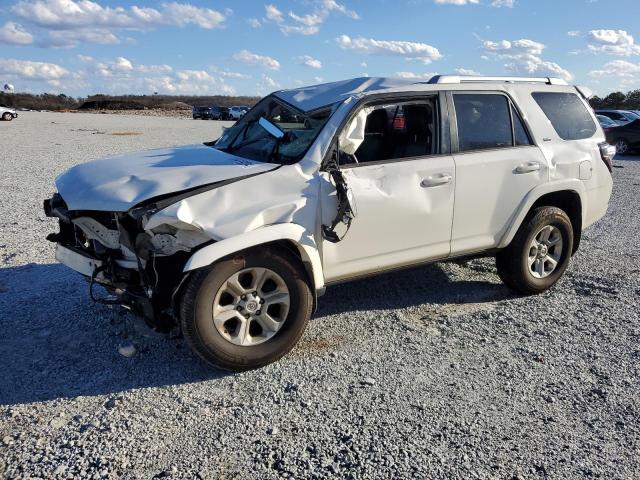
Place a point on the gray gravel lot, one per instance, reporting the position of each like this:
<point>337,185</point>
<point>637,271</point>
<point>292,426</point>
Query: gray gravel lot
<point>435,372</point>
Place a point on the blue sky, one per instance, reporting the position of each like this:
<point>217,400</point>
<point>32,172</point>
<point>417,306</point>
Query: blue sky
<point>82,47</point>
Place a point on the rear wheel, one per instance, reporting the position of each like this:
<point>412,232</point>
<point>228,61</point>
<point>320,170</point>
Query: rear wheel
<point>539,253</point>
<point>248,310</point>
<point>7,116</point>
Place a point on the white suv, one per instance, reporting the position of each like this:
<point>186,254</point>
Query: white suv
<point>236,113</point>
<point>234,240</point>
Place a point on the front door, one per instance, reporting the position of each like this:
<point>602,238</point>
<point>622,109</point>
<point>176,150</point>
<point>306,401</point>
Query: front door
<point>403,192</point>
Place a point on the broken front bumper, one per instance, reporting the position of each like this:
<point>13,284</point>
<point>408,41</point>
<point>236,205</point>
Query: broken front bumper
<point>80,262</point>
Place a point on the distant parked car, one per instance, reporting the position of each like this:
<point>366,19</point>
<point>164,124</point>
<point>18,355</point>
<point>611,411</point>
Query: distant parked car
<point>621,117</point>
<point>606,122</point>
<point>224,113</point>
<point>207,113</point>
<point>7,113</point>
<point>237,113</point>
<point>626,138</point>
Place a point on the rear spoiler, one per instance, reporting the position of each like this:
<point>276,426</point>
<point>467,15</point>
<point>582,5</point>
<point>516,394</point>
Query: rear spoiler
<point>586,93</point>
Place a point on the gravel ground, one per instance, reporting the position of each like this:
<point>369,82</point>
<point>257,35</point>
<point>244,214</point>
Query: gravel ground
<point>435,372</point>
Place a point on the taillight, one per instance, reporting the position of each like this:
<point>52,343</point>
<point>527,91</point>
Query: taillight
<point>607,152</point>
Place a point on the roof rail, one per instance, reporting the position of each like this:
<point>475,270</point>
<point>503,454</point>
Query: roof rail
<point>450,79</point>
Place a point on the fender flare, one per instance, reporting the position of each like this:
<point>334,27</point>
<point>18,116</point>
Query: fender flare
<point>573,185</point>
<point>292,232</point>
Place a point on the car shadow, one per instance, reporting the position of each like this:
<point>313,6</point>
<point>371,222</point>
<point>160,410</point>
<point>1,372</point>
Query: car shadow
<point>56,343</point>
<point>428,284</point>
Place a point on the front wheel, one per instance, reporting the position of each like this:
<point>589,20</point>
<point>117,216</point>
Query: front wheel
<point>7,116</point>
<point>539,253</point>
<point>247,310</point>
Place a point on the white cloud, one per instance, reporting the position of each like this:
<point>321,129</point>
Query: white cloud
<point>122,67</point>
<point>466,71</point>
<point>457,2</point>
<point>503,3</point>
<point>228,74</point>
<point>272,13</point>
<point>524,58</point>
<point>72,38</point>
<point>254,23</point>
<point>310,61</point>
<point>415,76</point>
<point>517,47</point>
<point>613,42</point>
<point>266,84</point>
<point>72,22</point>
<point>310,23</point>
<point>618,68</point>
<point>181,14</point>
<point>410,50</point>
<point>574,33</point>
<point>61,14</point>
<point>14,34</point>
<point>250,58</point>
<point>28,70</point>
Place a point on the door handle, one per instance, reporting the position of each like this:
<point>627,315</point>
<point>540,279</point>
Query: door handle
<point>528,167</point>
<point>436,180</point>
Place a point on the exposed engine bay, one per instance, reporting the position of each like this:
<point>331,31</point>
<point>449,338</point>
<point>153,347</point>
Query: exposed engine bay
<point>140,269</point>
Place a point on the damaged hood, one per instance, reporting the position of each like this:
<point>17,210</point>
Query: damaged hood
<point>118,183</point>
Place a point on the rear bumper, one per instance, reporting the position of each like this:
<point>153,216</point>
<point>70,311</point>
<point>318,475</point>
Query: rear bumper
<point>597,204</point>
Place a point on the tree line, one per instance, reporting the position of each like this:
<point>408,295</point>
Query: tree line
<point>617,101</point>
<point>46,101</point>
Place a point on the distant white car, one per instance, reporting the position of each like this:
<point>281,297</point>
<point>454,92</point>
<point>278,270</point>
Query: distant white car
<point>234,241</point>
<point>237,113</point>
<point>7,113</point>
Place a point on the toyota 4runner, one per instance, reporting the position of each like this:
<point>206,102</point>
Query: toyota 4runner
<point>234,240</point>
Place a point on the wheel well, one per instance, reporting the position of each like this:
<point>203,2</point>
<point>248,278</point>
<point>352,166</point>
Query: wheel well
<point>569,201</point>
<point>290,247</point>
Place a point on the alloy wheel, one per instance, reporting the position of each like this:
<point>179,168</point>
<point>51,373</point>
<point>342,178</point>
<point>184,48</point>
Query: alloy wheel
<point>622,146</point>
<point>545,251</point>
<point>251,306</point>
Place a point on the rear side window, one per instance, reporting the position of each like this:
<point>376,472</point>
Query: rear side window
<point>485,122</point>
<point>568,115</point>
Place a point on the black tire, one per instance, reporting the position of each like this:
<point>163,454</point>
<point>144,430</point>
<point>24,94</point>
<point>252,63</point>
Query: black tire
<point>512,262</point>
<point>7,117</point>
<point>197,307</point>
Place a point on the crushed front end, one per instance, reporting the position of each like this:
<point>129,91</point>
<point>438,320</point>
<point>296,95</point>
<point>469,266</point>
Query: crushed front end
<point>141,270</point>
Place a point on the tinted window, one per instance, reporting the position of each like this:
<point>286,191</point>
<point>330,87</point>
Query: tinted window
<point>484,121</point>
<point>568,115</point>
<point>519,131</point>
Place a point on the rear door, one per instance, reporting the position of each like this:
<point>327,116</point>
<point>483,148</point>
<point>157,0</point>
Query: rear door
<point>403,186</point>
<point>496,164</point>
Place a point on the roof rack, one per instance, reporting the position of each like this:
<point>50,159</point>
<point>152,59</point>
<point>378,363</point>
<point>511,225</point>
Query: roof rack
<point>450,79</point>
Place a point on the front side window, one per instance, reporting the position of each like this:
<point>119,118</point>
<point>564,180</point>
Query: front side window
<point>248,139</point>
<point>567,113</point>
<point>392,131</point>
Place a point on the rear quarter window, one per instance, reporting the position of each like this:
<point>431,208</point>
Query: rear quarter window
<point>567,113</point>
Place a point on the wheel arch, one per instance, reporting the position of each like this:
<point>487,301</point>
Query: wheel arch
<point>569,196</point>
<point>292,237</point>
